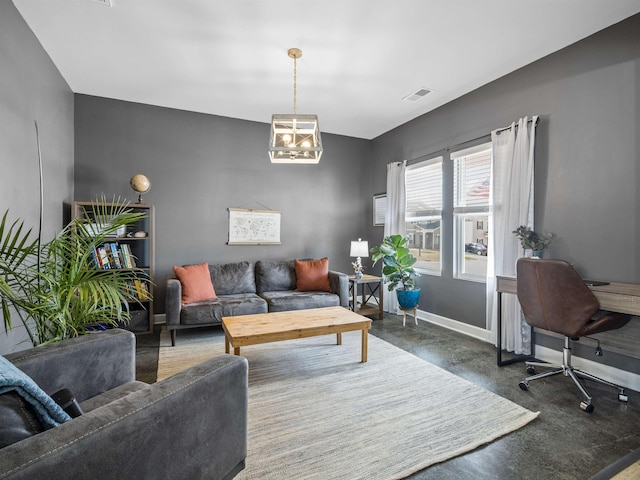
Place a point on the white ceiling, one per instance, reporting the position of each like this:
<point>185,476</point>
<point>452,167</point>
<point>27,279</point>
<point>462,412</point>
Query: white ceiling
<point>360,57</point>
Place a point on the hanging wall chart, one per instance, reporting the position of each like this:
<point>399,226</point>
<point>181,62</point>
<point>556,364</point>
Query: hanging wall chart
<point>254,227</point>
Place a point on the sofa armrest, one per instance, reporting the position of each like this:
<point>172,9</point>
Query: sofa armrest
<point>191,425</point>
<point>339,283</point>
<point>87,365</point>
<point>173,301</point>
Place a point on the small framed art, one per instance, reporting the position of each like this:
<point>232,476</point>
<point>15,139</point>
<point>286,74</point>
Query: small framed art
<point>379,207</point>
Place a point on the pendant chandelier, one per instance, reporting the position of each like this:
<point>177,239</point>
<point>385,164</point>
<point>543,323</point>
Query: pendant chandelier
<point>294,138</point>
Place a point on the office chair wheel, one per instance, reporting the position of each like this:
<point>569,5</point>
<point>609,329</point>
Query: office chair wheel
<point>623,397</point>
<point>587,407</point>
<point>531,370</point>
<point>523,386</point>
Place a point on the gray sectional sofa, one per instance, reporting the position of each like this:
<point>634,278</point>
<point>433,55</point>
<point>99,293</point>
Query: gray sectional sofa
<point>245,288</point>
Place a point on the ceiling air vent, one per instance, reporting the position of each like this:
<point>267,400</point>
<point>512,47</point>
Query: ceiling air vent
<point>417,95</point>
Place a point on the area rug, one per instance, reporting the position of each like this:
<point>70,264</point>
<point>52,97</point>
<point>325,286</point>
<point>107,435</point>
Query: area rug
<point>316,412</point>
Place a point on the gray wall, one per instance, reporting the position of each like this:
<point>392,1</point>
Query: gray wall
<point>587,159</point>
<point>200,165</point>
<point>31,89</point>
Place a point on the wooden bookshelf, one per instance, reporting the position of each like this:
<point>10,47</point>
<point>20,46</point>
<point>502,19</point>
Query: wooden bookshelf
<point>131,252</point>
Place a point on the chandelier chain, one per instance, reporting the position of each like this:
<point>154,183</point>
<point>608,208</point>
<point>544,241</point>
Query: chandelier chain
<point>295,78</point>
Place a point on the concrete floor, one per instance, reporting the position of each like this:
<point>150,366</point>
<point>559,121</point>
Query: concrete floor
<point>562,443</point>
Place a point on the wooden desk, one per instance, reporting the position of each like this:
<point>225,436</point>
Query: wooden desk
<point>614,297</point>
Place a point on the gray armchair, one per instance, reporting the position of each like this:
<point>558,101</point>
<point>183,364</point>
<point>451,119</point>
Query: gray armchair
<point>192,425</point>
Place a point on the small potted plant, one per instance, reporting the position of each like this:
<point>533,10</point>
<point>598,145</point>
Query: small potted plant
<point>398,262</point>
<point>530,240</point>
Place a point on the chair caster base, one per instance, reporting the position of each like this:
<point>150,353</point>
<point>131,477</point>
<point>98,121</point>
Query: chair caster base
<point>587,407</point>
<point>531,370</point>
<point>622,397</point>
<point>523,385</point>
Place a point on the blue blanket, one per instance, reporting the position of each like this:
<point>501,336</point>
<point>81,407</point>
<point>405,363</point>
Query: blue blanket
<point>48,411</point>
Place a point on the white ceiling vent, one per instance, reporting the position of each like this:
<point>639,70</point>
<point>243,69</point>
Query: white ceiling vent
<point>106,3</point>
<point>417,95</point>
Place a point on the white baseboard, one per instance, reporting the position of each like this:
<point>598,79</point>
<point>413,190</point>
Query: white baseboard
<point>455,325</point>
<point>615,375</point>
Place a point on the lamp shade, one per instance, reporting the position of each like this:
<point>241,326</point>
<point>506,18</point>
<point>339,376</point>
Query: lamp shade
<point>359,248</point>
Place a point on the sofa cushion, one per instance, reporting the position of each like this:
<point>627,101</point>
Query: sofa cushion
<point>241,304</point>
<point>19,420</point>
<point>207,313</point>
<point>201,313</point>
<point>196,283</point>
<point>275,275</point>
<point>233,278</point>
<point>25,409</point>
<point>284,301</point>
<point>312,275</point>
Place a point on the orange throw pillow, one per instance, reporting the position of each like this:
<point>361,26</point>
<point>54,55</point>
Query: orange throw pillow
<point>196,283</point>
<point>312,275</point>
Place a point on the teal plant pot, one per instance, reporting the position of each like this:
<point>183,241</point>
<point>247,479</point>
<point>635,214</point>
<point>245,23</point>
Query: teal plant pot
<point>408,299</point>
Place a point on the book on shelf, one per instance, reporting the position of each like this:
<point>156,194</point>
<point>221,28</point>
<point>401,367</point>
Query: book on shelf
<point>113,258</point>
<point>141,289</point>
<point>112,255</point>
<point>138,289</point>
<point>130,259</point>
<point>93,258</point>
<point>124,258</point>
<point>103,260</point>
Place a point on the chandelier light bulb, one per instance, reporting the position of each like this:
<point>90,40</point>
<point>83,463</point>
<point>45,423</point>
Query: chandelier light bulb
<point>286,138</point>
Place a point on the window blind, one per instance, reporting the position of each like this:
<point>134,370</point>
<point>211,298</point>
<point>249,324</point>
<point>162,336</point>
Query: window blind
<point>423,183</point>
<point>472,182</point>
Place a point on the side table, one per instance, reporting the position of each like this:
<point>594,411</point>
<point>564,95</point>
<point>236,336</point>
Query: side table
<point>370,285</point>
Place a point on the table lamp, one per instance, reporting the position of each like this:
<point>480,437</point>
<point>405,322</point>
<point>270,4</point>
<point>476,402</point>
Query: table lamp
<point>359,248</point>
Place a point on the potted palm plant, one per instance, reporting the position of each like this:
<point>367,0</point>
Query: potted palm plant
<point>55,288</point>
<point>398,270</point>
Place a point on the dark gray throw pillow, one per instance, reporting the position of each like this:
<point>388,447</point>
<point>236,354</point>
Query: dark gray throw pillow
<point>19,420</point>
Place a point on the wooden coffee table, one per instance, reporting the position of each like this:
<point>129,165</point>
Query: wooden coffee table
<point>246,330</point>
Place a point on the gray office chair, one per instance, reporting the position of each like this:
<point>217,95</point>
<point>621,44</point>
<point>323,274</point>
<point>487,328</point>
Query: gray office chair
<point>554,298</point>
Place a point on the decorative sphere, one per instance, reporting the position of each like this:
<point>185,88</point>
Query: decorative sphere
<point>140,183</point>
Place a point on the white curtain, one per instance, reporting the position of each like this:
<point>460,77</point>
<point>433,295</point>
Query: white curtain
<point>394,223</point>
<point>512,190</point>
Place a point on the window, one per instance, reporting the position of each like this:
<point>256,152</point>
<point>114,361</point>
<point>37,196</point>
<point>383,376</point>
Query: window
<point>471,211</point>
<point>424,213</point>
